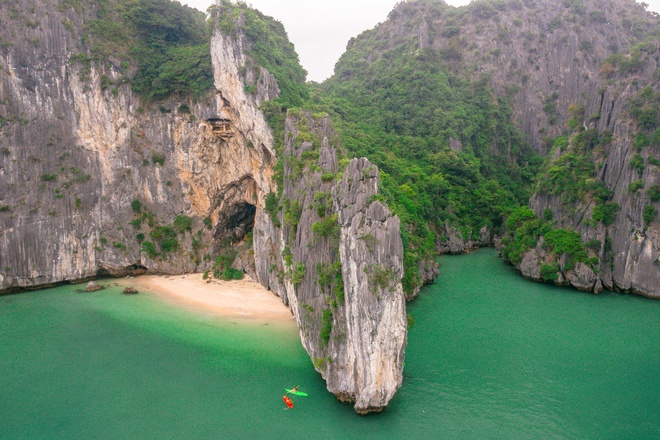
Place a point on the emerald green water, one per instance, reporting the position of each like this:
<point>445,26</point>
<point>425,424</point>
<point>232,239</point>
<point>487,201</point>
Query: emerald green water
<point>490,356</point>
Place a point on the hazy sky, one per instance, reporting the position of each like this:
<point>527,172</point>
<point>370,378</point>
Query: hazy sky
<point>321,29</point>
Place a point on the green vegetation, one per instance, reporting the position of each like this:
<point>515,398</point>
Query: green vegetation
<point>637,162</point>
<point>572,176</point>
<point>645,107</point>
<point>222,266</point>
<point>272,206</point>
<point>231,274</point>
<point>654,193</point>
<point>269,47</point>
<point>640,142</point>
<point>523,230</point>
<point>322,201</point>
<point>549,271</point>
<point>564,241</point>
<point>287,255</point>
<point>183,223</point>
<point>166,238</point>
<point>568,177</point>
<point>650,214</point>
<point>548,215</point>
<point>593,244</point>
<point>380,278</point>
<point>402,109</point>
<point>327,228</point>
<point>606,213</point>
<point>167,42</point>
<point>632,62</point>
<point>326,328</point>
<point>636,186</point>
<point>410,321</point>
<point>158,158</point>
<point>292,213</point>
<point>298,274</point>
<point>150,249</point>
<point>331,282</point>
<point>550,109</point>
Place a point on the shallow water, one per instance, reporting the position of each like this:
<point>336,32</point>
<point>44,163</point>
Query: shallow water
<point>490,356</point>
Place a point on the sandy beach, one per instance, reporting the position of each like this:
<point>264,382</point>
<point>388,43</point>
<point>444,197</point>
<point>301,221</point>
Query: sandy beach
<point>241,299</point>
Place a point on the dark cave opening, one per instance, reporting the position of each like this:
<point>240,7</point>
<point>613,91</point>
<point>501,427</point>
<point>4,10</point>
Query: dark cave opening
<point>235,222</point>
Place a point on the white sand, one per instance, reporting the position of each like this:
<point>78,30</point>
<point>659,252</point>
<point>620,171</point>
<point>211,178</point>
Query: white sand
<point>242,299</point>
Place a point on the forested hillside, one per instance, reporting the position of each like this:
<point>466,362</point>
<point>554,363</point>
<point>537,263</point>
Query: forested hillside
<point>459,107</point>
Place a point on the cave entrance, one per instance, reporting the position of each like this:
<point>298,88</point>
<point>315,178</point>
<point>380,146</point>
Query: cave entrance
<point>235,221</point>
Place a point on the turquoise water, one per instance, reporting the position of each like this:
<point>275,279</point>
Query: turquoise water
<point>490,356</point>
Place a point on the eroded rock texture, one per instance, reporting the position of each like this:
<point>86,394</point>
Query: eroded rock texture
<point>553,60</point>
<point>95,181</point>
<point>337,261</point>
<point>628,248</point>
<point>89,174</point>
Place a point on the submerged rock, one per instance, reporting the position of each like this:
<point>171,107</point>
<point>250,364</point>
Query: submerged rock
<point>130,290</point>
<point>93,287</point>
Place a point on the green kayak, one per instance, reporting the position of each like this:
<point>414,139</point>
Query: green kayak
<point>295,392</point>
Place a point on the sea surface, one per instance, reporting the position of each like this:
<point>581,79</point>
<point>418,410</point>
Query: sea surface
<point>491,356</point>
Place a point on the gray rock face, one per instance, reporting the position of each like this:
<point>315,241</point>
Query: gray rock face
<point>337,262</point>
<point>547,57</point>
<point>530,267</point>
<point>629,254</point>
<point>87,176</point>
<point>372,265</point>
<point>75,157</point>
<point>581,276</point>
<point>543,54</point>
<point>453,242</point>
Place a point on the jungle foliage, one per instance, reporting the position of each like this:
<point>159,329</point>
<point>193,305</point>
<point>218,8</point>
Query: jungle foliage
<point>269,47</point>
<point>160,46</point>
<point>446,147</point>
<point>523,231</point>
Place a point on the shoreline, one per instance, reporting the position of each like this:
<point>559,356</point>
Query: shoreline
<point>244,298</point>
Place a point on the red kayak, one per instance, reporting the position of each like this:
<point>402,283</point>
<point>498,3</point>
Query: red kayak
<point>288,402</point>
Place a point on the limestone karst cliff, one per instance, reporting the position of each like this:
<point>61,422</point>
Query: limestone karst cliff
<point>542,54</point>
<point>574,81</point>
<point>129,144</point>
<point>94,179</point>
<point>334,254</point>
<point>614,156</point>
<point>99,177</point>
